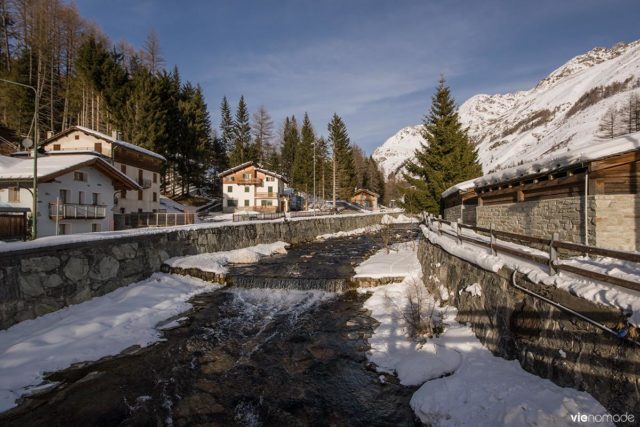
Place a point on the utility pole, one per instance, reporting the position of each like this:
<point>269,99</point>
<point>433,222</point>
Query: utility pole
<point>315,199</point>
<point>333,154</point>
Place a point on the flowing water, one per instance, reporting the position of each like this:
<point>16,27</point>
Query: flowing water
<point>247,357</point>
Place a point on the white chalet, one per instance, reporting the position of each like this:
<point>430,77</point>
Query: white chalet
<point>142,165</point>
<point>247,187</point>
<point>75,192</point>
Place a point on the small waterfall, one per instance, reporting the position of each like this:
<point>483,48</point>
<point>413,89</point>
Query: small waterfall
<point>297,283</point>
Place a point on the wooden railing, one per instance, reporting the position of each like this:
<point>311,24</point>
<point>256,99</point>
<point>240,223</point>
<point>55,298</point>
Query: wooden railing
<point>76,211</point>
<point>552,245</point>
<point>266,195</point>
<point>249,181</point>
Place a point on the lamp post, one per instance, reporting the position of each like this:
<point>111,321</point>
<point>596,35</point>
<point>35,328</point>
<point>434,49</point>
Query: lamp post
<point>34,221</point>
<point>315,199</point>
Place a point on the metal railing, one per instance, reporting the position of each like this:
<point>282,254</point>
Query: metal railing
<point>152,219</point>
<point>144,182</point>
<point>76,211</point>
<point>257,216</point>
<point>552,245</point>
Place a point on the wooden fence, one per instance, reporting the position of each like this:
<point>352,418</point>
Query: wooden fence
<point>13,226</point>
<point>554,247</point>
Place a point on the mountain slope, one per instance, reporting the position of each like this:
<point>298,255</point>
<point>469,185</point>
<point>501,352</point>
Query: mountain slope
<point>563,110</point>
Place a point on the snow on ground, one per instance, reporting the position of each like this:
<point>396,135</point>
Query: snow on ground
<point>216,262</point>
<point>355,232</point>
<point>400,219</point>
<point>399,262</point>
<point>91,330</point>
<point>481,390</point>
<point>602,293</point>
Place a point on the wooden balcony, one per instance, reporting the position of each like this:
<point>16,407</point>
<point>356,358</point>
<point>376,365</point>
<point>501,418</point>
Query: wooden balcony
<point>144,182</point>
<point>76,211</point>
<point>249,181</point>
<point>266,195</point>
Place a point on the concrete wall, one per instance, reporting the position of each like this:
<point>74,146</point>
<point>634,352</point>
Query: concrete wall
<point>514,325</point>
<point>37,281</point>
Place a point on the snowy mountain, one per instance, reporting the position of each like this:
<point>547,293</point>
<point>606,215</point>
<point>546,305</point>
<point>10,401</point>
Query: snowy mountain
<point>562,111</point>
<point>397,149</point>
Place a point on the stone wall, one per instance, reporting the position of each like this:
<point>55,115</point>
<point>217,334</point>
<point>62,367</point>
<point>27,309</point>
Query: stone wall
<point>41,280</point>
<point>468,214</point>
<point>546,341</point>
<point>617,221</point>
<point>541,218</point>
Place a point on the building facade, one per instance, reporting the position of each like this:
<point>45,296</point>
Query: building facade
<point>75,192</point>
<point>249,188</point>
<point>141,165</point>
<point>366,198</point>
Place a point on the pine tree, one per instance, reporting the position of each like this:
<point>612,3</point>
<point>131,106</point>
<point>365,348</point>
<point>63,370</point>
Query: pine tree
<point>374,178</point>
<point>344,177</point>
<point>262,130</point>
<point>290,141</point>
<point>241,151</point>
<point>302,172</point>
<point>447,159</point>
<point>226,128</point>
<point>323,168</point>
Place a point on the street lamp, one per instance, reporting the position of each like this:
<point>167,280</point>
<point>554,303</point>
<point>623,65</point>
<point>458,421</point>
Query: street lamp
<point>34,221</point>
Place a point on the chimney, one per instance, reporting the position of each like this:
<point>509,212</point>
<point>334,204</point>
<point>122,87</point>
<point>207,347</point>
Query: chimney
<point>49,134</point>
<point>115,134</point>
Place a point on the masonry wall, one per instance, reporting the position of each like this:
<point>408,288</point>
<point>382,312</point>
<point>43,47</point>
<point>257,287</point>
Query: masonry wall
<point>38,281</point>
<point>617,221</point>
<point>546,341</point>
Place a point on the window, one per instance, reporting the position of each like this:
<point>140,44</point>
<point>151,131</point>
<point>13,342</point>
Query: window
<point>266,203</point>
<point>140,195</point>
<point>95,227</point>
<point>14,194</point>
<point>97,147</point>
<point>123,194</point>
<point>77,137</point>
<point>246,203</point>
<point>247,189</point>
<point>269,178</point>
<point>232,203</point>
<point>123,169</point>
<point>270,189</point>
<point>247,175</point>
<point>140,176</point>
<point>64,196</point>
<point>80,176</point>
<point>56,147</point>
<point>232,178</point>
<point>155,177</point>
<point>63,229</point>
<point>155,196</point>
<point>230,189</point>
<point>81,197</point>
<point>95,198</point>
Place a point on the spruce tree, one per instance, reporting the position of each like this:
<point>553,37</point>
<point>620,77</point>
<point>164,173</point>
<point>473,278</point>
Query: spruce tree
<point>241,151</point>
<point>302,173</point>
<point>226,128</point>
<point>344,176</point>
<point>447,159</point>
<point>290,140</point>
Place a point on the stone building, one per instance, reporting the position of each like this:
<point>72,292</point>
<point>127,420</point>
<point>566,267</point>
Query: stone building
<point>547,196</point>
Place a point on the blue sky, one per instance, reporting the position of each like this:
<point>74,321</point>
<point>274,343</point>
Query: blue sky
<point>373,62</point>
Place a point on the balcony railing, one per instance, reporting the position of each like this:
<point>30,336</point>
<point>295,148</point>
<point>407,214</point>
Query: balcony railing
<point>144,182</point>
<point>249,181</point>
<point>266,195</point>
<point>76,211</point>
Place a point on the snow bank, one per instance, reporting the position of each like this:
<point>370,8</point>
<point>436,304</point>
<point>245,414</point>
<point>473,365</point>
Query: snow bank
<point>216,262</point>
<point>355,232</point>
<point>482,390</point>
<point>88,331</point>
<point>399,262</point>
<point>475,290</point>
<point>400,219</point>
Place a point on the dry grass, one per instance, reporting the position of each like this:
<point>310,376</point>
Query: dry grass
<point>420,313</point>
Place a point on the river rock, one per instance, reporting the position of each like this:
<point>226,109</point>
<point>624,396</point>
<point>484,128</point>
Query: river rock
<point>76,268</point>
<point>40,264</point>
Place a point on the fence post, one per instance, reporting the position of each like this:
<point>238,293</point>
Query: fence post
<point>439,228</point>
<point>492,239</point>
<point>553,254</point>
<point>458,233</point>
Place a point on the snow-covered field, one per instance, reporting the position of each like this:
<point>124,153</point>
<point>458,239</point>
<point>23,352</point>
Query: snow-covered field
<point>216,262</point>
<point>91,330</point>
<point>592,290</point>
<point>463,384</point>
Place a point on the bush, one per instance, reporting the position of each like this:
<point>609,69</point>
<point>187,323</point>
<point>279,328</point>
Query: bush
<point>420,313</point>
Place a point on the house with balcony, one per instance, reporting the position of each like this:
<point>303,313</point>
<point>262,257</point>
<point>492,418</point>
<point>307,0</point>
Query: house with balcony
<point>250,188</point>
<point>366,198</point>
<point>141,165</point>
<point>75,192</point>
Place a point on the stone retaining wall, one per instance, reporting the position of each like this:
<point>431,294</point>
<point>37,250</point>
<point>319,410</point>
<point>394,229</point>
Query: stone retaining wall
<point>546,341</point>
<point>41,280</point>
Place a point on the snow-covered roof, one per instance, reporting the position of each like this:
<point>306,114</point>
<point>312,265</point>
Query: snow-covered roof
<point>593,150</point>
<point>364,190</point>
<point>107,138</point>
<point>256,165</point>
<point>49,167</point>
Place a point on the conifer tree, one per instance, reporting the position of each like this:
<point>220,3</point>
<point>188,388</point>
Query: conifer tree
<point>302,173</point>
<point>226,128</point>
<point>241,151</point>
<point>323,168</point>
<point>262,130</point>
<point>447,159</point>
<point>290,140</point>
<point>344,177</point>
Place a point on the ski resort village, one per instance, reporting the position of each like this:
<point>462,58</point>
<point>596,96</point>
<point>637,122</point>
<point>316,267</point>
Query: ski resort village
<point>248,213</point>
